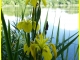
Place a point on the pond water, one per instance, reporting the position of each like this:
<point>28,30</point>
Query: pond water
<point>69,22</point>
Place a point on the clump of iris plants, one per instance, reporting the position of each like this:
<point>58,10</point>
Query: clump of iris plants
<point>37,46</point>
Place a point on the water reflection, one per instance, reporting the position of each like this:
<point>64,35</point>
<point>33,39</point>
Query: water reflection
<point>67,21</point>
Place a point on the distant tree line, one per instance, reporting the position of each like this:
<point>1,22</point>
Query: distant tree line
<point>15,2</point>
<point>67,2</point>
<point>52,1</point>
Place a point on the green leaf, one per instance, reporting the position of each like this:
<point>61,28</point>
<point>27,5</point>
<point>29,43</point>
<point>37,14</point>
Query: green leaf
<point>9,33</point>
<point>45,23</point>
<point>53,28</point>
<point>38,13</point>
<point>57,36</point>
<point>66,40</point>
<point>67,45</point>
<point>16,51</point>
<point>23,12</point>
<point>66,58</point>
<point>6,37</point>
<point>62,54</point>
<point>76,51</point>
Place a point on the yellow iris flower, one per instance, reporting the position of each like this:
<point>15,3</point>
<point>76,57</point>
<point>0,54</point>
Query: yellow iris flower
<point>45,48</point>
<point>40,45</point>
<point>25,25</point>
<point>34,2</point>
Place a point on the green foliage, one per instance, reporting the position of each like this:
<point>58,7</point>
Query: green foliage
<point>62,1</point>
<point>73,1</point>
<point>6,37</point>
<point>17,2</point>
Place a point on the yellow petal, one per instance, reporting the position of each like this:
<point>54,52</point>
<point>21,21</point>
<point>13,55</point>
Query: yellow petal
<point>26,49</point>
<point>54,50</point>
<point>19,25</point>
<point>46,53</point>
<point>27,26</point>
<point>27,1</point>
<point>44,2</point>
<point>34,2</point>
<point>41,36</point>
<point>33,51</point>
<point>40,41</point>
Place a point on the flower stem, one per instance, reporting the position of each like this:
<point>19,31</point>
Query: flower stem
<point>28,36</point>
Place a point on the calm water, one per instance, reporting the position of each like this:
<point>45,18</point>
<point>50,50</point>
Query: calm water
<point>69,22</point>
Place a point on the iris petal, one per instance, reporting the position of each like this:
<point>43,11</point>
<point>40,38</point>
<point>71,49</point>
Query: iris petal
<point>19,25</point>
<point>44,2</point>
<point>33,51</point>
<point>27,1</point>
<point>27,26</point>
<point>26,49</point>
<point>46,53</point>
<point>54,50</point>
<point>41,41</point>
<point>34,2</point>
